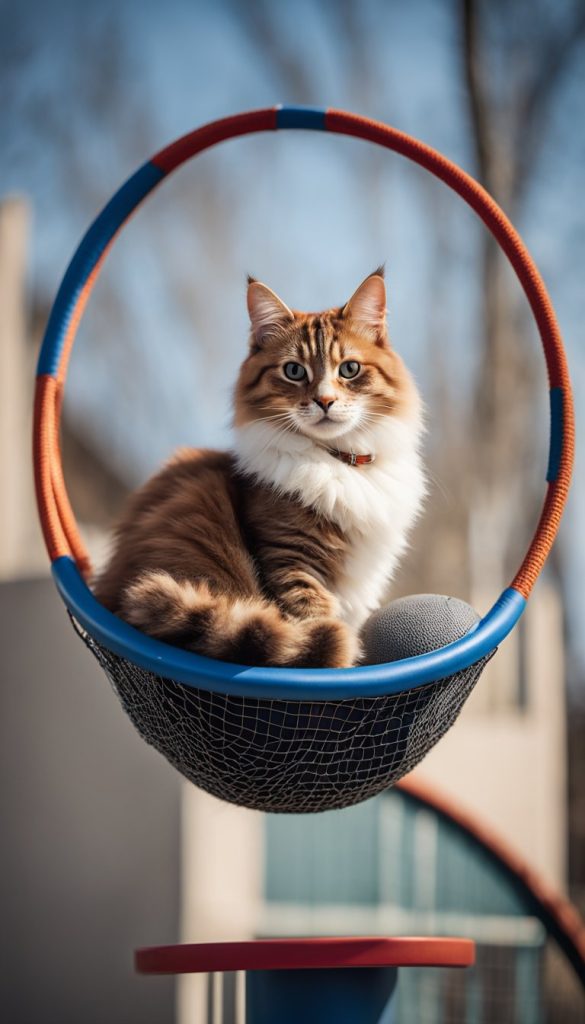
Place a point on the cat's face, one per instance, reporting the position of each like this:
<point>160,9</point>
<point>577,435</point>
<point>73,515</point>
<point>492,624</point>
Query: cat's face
<point>323,375</point>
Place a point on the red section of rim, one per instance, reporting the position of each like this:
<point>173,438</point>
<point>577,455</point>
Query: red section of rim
<point>297,954</point>
<point>210,134</point>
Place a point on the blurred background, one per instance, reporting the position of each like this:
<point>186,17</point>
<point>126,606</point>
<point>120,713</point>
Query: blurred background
<point>104,848</point>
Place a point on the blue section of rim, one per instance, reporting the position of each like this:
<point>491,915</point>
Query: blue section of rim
<point>556,433</point>
<point>87,255</point>
<point>282,683</point>
<point>301,117</point>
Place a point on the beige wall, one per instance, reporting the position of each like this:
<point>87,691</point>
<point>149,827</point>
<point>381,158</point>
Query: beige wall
<point>21,551</point>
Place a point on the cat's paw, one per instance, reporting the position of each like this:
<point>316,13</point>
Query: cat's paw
<point>328,643</point>
<point>309,600</point>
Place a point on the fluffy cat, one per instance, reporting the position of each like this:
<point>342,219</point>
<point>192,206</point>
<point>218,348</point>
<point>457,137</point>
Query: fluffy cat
<point>275,553</point>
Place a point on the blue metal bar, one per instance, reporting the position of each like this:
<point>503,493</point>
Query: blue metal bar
<point>287,683</point>
<point>348,995</point>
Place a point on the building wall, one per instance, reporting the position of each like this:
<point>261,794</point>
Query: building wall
<point>90,852</point>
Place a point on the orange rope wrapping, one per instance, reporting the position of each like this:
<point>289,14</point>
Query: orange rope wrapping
<point>57,520</point>
<point>44,445</point>
<point>548,524</point>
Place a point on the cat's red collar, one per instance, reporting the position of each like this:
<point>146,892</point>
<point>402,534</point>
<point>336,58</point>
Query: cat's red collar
<point>350,458</point>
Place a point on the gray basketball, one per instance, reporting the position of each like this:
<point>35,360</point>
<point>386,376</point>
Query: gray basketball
<point>415,625</point>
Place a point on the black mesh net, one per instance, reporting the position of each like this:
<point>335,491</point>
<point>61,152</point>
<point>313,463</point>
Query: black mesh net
<point>286,755</point>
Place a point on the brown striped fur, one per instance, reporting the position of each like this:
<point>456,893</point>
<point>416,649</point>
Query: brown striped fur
<point>214,560</point>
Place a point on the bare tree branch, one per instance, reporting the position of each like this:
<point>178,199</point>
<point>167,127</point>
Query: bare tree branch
<point>476,92</point>
<point>554,54</point>
<point>507,118</point>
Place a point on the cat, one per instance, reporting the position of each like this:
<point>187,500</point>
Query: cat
<point>276,553</point>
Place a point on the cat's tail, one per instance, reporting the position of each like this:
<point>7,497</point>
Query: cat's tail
<point>244,630</point>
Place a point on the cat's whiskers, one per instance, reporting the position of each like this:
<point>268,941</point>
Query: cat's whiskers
<point>286,415</point>
<point>287,426</point>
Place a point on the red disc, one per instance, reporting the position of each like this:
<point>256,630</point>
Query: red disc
<point>295,954</point>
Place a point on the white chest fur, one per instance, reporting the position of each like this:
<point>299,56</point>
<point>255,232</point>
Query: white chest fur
<point>375,504</point>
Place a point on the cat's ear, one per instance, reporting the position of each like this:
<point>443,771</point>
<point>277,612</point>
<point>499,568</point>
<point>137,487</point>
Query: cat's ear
<point>367,306</point>
<point>267,312</point>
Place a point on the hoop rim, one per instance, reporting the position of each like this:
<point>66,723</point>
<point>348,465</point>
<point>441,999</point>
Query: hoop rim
<point>62,538</point>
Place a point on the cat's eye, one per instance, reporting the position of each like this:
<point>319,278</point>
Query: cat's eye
<point>350,368</point>
<point>294,371</point>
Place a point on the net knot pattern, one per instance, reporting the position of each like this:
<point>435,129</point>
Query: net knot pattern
<point>285,755</point>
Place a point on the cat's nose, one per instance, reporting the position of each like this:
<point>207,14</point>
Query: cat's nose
<point>324,402</point>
